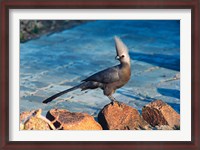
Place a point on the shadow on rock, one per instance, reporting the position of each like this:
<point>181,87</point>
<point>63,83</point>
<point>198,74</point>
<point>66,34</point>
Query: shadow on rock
<point>169,92</point>
<point>165,61</point>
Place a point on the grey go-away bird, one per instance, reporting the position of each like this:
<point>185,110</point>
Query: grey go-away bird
<point>109,79</point>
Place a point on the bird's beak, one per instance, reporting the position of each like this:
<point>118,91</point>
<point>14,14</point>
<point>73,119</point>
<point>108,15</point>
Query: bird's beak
<point>117,57</point>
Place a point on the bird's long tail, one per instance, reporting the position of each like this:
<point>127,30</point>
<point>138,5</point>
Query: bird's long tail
<point>63,92</point>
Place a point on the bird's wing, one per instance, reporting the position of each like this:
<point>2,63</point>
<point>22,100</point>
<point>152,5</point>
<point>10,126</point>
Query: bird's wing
<point>105,76</point>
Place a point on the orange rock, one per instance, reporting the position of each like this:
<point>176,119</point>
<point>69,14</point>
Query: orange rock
<point>33,120</point>
<point>163,127</point>
<point>119,116</point>
<point>35,123</point>
<point>63,119</point>
<point>25,115</point>
<point>159,113</point>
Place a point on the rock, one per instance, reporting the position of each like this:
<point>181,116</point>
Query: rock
<point>33,120</point>
<point>159,113</point>
<point>31,29</point>
<point>63,119</point>
<point>25,115</point>
<point>119,116</point>
<point>163,127</point>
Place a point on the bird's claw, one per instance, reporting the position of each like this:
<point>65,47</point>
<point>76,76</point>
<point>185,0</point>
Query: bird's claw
<point>118,103</point>
<point>112,102</point>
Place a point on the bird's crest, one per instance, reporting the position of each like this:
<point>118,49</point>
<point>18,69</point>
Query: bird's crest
<point>121,48</point>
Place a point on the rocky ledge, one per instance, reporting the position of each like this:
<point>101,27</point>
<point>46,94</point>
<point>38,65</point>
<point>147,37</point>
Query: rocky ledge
<point>63,119</point>
<point>156,115</point>
<point>31,29</point>
<point>119,116</point>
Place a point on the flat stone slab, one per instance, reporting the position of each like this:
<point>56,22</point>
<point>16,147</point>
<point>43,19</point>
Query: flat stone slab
<point>56,62</point>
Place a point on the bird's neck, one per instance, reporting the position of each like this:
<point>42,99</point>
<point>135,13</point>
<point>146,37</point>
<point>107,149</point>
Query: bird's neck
<point>125,62</point>
<point>125,65</point>
<point>125,72</point>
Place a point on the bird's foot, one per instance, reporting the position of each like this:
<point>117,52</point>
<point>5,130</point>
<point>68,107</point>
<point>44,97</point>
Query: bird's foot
<point>117,102</point>
<point>113,100</point>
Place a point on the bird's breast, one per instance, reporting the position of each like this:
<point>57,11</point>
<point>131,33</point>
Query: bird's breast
<point>124,76</point>
<point>125,73</point>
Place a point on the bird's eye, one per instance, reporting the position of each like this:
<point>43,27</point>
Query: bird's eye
<point>122,56</point>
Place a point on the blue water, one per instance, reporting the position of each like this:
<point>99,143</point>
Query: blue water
<point>55,62</point>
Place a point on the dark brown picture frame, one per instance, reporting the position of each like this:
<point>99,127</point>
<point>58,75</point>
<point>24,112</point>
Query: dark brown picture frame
<point>194,5</point>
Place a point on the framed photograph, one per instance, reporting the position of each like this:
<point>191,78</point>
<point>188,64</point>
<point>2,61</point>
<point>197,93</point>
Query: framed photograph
<point>100,74</point>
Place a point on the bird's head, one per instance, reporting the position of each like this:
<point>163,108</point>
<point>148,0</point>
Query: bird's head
<point>122,51</point>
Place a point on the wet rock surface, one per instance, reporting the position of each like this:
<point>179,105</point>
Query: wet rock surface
<point>119,116</point>
<point>55,62</point>
<point>158,113</point>
<point>63,119</point>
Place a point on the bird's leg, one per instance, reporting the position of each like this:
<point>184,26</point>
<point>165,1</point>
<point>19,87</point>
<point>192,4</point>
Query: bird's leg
<point>114,100</point>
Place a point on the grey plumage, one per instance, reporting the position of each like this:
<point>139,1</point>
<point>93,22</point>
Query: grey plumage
<point>109,79</point>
